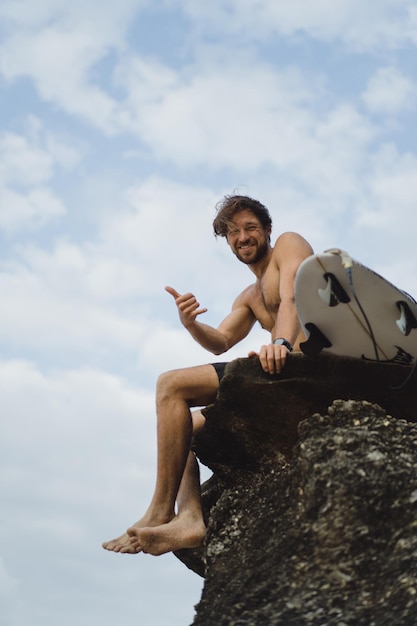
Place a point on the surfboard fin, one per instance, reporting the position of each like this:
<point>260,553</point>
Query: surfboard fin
<point>315,342</point>
<point>334,293</point>
<point>407,320</point>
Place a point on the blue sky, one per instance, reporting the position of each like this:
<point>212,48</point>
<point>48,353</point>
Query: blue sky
<point>122,125</point>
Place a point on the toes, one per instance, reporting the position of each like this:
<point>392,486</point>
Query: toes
<point>135,546</point>
<point>129,550</point>
<point>127,544</point>
<point>115,545</point>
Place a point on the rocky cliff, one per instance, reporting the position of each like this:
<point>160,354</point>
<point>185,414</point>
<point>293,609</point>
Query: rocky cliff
<point>312,507</point>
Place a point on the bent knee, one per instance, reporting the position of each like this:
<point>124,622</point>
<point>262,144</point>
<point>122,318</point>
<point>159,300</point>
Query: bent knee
<point>167,382</point>
<point>188,383</point>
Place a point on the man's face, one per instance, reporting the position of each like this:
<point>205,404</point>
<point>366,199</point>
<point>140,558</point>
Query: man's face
<point>247,237</point>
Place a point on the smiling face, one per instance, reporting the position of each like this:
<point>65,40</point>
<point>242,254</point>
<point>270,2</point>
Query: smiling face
<point>248,239</point>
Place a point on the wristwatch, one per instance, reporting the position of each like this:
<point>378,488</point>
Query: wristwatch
<point>283,342</point>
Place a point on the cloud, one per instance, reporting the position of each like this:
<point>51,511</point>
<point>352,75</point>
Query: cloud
<point>191,116</point>
<point>31,209</point>
<point>28,164</point>
<point>58,45</point>
<point>60,48</point>
<point>392,194</point>
<point>77,456</point>
<point>64,318</point>
<point>199,119</point>
<point>22,162</point>
<point>390,91</point>
<point>106,296</point>
<point>308,137</point>
<point>359,25</point>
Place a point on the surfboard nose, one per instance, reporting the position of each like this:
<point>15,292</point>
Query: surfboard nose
<point>345,257</point>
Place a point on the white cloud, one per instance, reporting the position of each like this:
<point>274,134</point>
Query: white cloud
<point>50,309</point>
<point>80,448</point>
<point>58,62</point>
<point>60,50</point>
<point>77,457</point>
<point>199,119</point>
<point>31,209</point>
<point>363,25</point>
<point>57,45</point>
<point>393,193</point>
<point>28,163</point>
<point>22,162</point>
<point>389,91</point>
<point>380,227</point>
<point>165,226</point>
<point>108,294</point>
<point>204,122</point>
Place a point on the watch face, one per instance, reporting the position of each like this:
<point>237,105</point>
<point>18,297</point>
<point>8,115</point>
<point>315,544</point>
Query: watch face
<point>283,342</point>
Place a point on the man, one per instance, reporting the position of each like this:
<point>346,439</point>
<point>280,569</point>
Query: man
<point>246,224</point>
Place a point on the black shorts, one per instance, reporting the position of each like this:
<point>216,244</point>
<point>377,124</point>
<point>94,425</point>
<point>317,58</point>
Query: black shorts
<point>219,367</point>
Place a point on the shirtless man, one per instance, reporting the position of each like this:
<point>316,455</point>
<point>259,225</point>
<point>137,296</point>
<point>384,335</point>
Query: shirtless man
<point>246,224</point>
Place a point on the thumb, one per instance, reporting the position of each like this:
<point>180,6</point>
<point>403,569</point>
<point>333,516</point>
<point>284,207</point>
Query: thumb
<point>174,293</point>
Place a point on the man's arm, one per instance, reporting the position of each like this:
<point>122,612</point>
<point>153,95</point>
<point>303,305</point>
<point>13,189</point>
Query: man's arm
<point>216,340</point>
<point>289,252</point>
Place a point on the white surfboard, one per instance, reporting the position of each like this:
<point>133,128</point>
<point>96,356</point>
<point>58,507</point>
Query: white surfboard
<point>349,310</point>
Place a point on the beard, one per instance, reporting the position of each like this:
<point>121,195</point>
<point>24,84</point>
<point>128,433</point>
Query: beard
<point>259,255</point>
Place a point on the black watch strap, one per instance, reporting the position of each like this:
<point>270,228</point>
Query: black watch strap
<point>283,342</point>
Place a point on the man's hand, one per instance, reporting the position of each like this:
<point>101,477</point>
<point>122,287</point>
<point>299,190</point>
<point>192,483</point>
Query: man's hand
<point>188,307</point>
<point>272,357</point>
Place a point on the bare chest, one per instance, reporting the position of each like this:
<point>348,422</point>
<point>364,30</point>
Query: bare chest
<point>266,299</point>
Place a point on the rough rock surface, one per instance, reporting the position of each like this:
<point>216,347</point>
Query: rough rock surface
<point>312,507</point>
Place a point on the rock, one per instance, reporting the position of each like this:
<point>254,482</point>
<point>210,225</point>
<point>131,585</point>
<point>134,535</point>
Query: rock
<point>312,507</point>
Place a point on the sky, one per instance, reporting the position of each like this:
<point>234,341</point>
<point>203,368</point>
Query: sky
<point>122,125</point>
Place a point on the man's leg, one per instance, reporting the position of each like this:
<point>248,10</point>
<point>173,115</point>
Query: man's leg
<point>176,392</point>
<point>186,530</point>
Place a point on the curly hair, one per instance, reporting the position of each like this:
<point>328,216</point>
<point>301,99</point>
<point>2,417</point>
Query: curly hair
<point>230,205</point>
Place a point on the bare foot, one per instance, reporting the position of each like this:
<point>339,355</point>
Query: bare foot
<point>121,544</point>
<point>178,534</point>
<point>125,544</point>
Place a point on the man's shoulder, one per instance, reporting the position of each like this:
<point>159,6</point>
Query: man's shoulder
<point>292,242</point>
<point>246,296</point>
<point>290,237</point>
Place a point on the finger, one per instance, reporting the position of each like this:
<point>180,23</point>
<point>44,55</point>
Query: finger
<point>271,360</point>
<point>172,291</point>
<point>187,300</point>
<point>188,304</point>
<point>192,312</point>
<point>263,358</point>
<point>280,358</point>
